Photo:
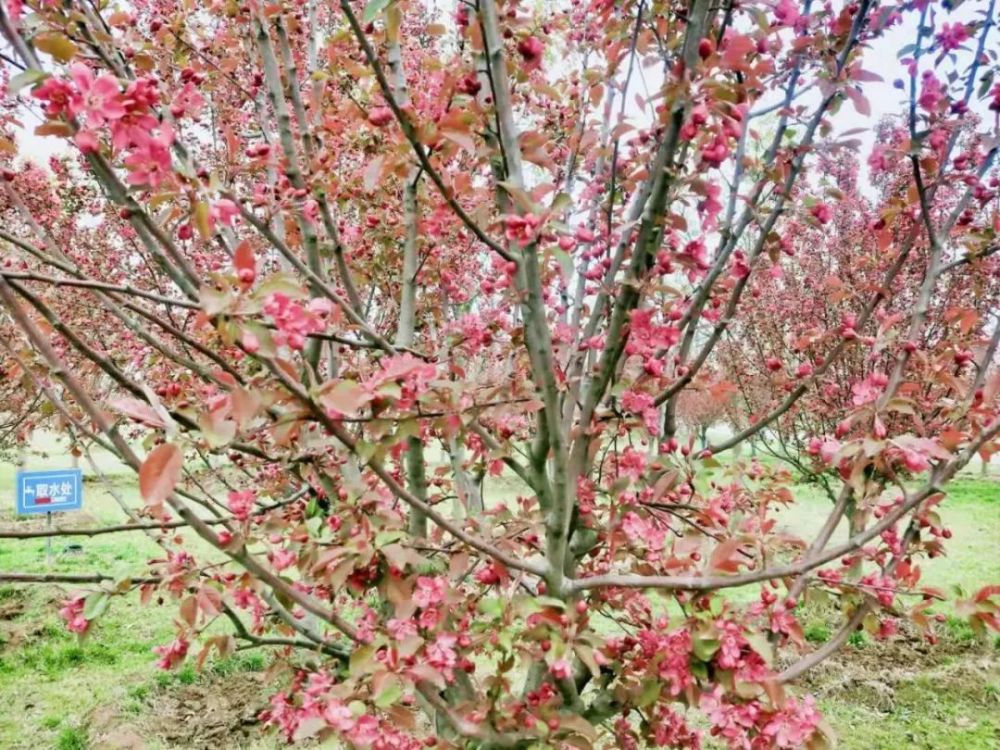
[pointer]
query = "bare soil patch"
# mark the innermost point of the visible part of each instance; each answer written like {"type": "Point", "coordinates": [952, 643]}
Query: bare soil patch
{"type": "Point", "coordinates": [218, 713]}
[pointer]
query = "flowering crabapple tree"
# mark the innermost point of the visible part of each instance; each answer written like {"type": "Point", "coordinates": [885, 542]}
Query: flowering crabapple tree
{"type": "Point", "coordinates": [699, 409]}
{"type": "Point", "coordinates": [330, 275]}
{"type": "Point", "coordinates": [772, 346]}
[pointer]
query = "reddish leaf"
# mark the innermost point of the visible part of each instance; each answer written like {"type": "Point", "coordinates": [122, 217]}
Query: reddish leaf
{"type": "Point", "coordinates": [246, 404]}
{"type": "Point", "coordinates": [189, 610]}
{"type": "Point", "coordinates": [859, 101]}
{"type": "Point", "coordinates": [726, 557]}
{"type": "Point", "coordinates": [737, 52]}
{"type": "Point", "coordinates": [344, 396]}
{"type": "Point", "coordinates": [986, 592]}
{"type": "Point", "coordinates": [209, 601]}
{"type": "Point", "coordinates": [138, 410]}
{"type": "Point", "coordinates": [243, 258]}
{"type": "Point", "coordinates": [160, 473]}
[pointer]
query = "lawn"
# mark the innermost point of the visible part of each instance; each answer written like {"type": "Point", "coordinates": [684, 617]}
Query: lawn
{"type": "Point", "coordinates": [104, 692]}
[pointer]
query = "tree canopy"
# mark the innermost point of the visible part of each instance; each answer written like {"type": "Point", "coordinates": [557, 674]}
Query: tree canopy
{"type": "Point", "coordinates": [408, 316]}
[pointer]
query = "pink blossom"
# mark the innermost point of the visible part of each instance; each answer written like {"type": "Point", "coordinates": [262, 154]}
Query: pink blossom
{"type": "Point", "coordinates": [670, 730]}
{"type": "Point", "coordinates": [87, 141]}
{"type": "Point", "coordinates": [794, 724]}
{"type": "Point", "coordinates": [430, 591]}
{"type": "Point", "coordinates": [931, 93]}
{"type": "Point", "coordinates": [339, 716]}
{"type": "Point", "coordinates": [15, 9]}
{"type": "Point", "coordinates": [828, 450]}
{"type": "Point", "coordinates": [294, 322]}
{"type": "Point", "coordinates": [241, 503]}
{"type": "Point", "coordinates": [531, 50]}
{"type": "Point", "coordinates": [56, 93]}
{"type": "Point", "coordinates": [647, 337]}
{"type": "Point", "coordinates": [887, 628]}
{"type": "Point", "coordinates": [187, 101]}
{"type": "Point", "coordinates": [716, 151]}
{"type": "Point", "coordinates": [673, 651]}
{"type": "Point", "coordinates": [283, 558]}
{"type": "Point", "coordinates": [72, 613]}
{"type": "Point", "coordinates": [136, 125]}
{"type": "Point", "coordinates": [412, 375]}
{"type": "Point", "coordinates": [224, 211]}
{"type": "Point", "coordinates": [521, 229]}
{"type": "Point", "coordinates": [99, 98]}
{"type": "Point", "coordinates": [915, 461]}
{"type": "Point", "coordinates": [631, 463]}
{"type": "Point", "coordinates": [429, 618]}
{"type": "Point", "coordinates": [952, 36]}
{"type": "Point", "coordinates": [822, 213]}
{"type": "Point", "coordinates": [560, 669]}
{"type": "Point", "coordinates": [732, 722]}
{"type": "Point", "coordinates": [172, 654]}
{"type": "Point", "coordinates": [643, 532]}
{"type": "Point", "coordinates": [380, 116]}
{"type": "Point", "coordinates": [250, 342]}
{"type": "Point", "coordinates": [878, 160]}
{"type": "Point", "coordinates": [869, 389]}
{"type": "Point", "coordinates": [401, 629]}
{"type": "Point", "coordinates": [636, 402]}
{"type": "Point", "coordinates": [882, 587]}
{"type": "Point", "coordinates": [441, 654]}
{"type": "Point", "coordinates": [366, 730]}
{"type": "Point", "coordinates": [786, 12]}
{"type": "Point", "coordinates": [149, 161]}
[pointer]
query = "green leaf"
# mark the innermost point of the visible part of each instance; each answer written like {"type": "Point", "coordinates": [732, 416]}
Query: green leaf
{"type": "Point", "coordinates": [280, 282]}
{"type": "Point", "coordinates": [27, 78]}
{"type": "Point", "coordinates": [312, 508]}
{"type": "Point", "coordinates": [362, 661]}
{"type": "Point", "coordinates": [560, 204]}
{"type": "Point", "coordinates": [520, 197]}
{"type": "Point", "coordinates": [650, 692]}
{"type": "Point", "coordinates": [984, 86]}
{"type": "Point", "coordinates": [389, 694]}
{"type": "Point", "coordinates": [213, 301]}
{"type": "Point", "coordinates": [385, 538]}
{"type": "Point", "coordinates": [374, 8]}
{"type": "Point", "coordinates": [565, 262]}
{"type": "Point", "coordinates": [491, 606]}
{"type": "Point", "coordinates": [96, 605]}
{"type": "Point", "coordinates": [705, 648]}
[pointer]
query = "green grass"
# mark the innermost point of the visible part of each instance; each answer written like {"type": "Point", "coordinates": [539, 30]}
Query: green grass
{"type": "Point", "coordinates": [51, 682]}
{"type": "Point", "coordinates": [925, 713]}
{"type": "Point", "coordinates": [71, 739]}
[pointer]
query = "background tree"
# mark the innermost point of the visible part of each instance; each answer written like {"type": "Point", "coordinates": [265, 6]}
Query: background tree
{"type": "Point", "coordinates": [298, 251]}
{"type": "Point", "coordinates": [778, 342]}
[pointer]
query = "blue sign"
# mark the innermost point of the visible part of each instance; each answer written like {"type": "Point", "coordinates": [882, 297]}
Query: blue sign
{"type": "Point", "coordinates": [49, 491]}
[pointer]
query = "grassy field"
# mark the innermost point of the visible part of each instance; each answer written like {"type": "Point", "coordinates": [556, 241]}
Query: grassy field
{"type": "Point", "coordinates": [104, 692]}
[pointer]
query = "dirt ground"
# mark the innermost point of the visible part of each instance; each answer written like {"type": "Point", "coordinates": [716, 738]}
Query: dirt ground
{"type": "Point", "coordinates": [220, 713]}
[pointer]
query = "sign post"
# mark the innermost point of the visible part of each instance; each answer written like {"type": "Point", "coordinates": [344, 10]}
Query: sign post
{"type": "Point", "coordinates": [49, 492]}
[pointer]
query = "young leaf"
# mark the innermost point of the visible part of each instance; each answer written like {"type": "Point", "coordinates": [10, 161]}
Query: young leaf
{"type": "Point", "coordinates": [243, 258]}
{"type": "Point", "coordinates": [160, 473]}
{"type": "Point", "coordinates": [373, 8]}
{"type": "Point", "coordinates": [56, 45]}
{"type": "Point", "coordinates": [96, 605]}
{"type": "Point", "coordinates": [27, 78]}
